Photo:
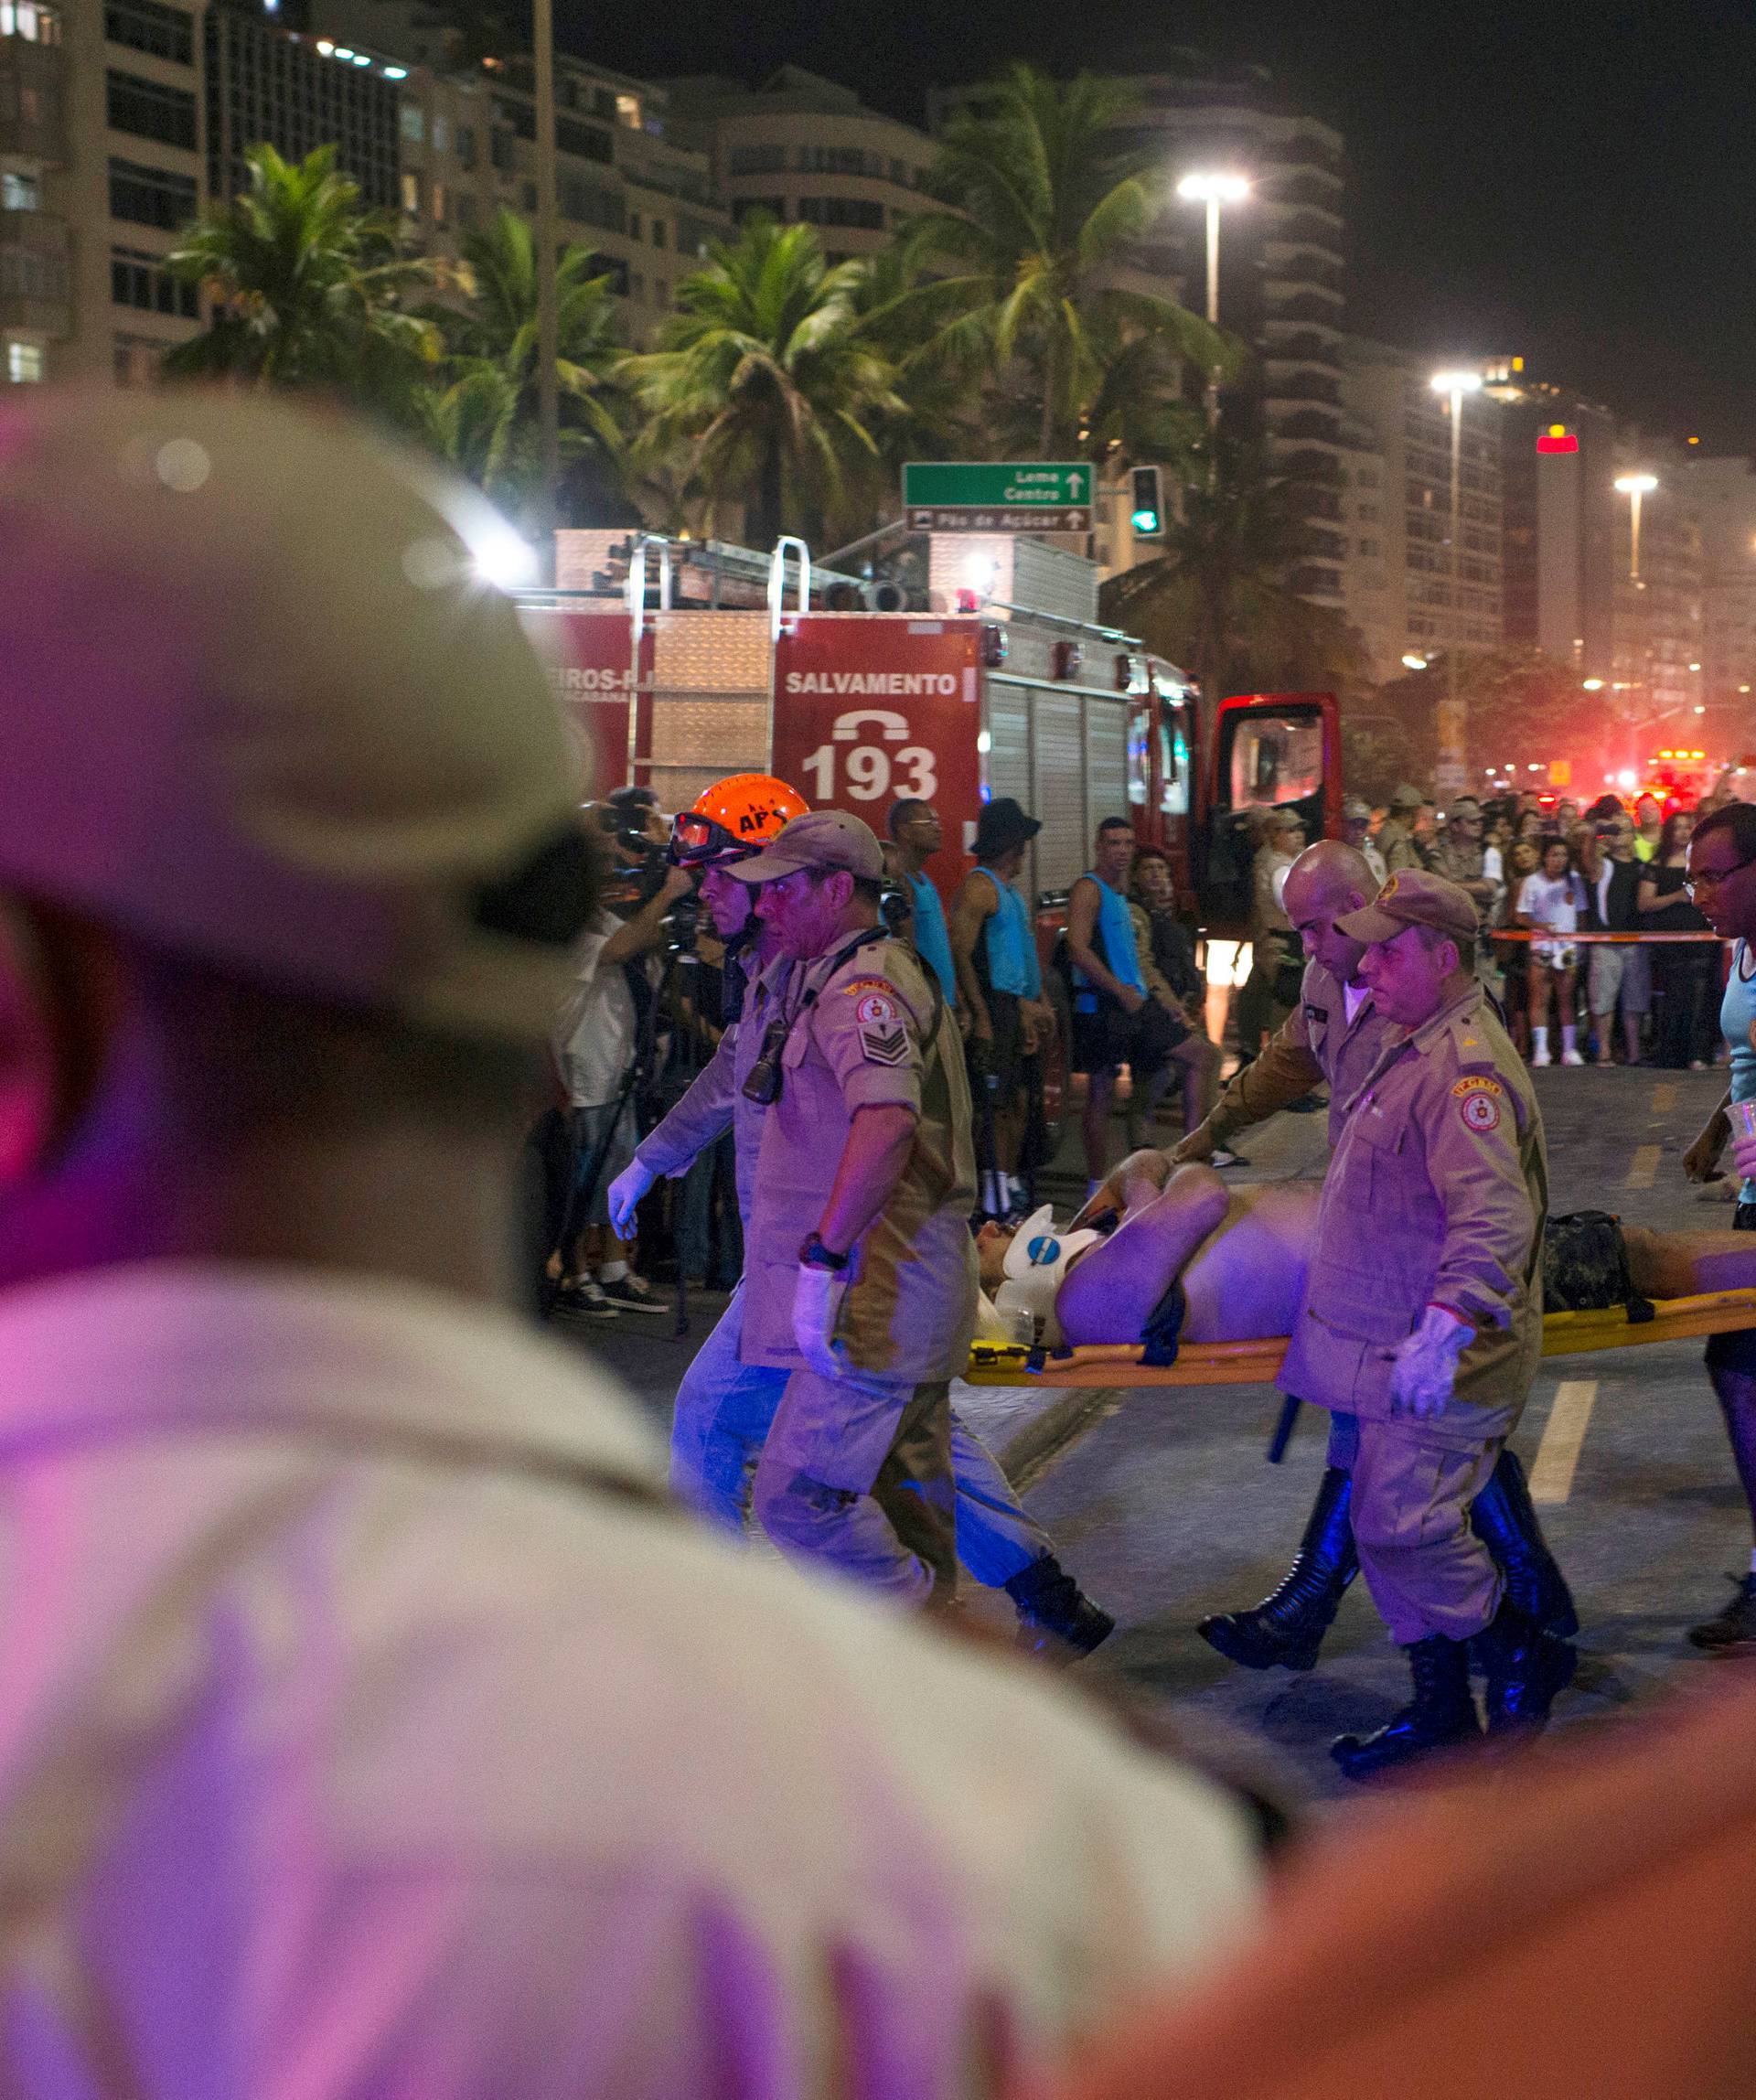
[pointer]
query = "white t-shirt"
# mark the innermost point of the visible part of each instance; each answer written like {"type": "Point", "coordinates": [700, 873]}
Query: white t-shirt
{"type": "Point", "coordinates": [368, 1726]}
{"type": "Point", "coordinates": [595, 1039]}
{"type": "Point", "coordinates": [1552, 901]}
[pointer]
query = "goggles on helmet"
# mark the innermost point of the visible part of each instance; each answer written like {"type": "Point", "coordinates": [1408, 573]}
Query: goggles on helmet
{"type": "Point", "coordinates": [697, 841]}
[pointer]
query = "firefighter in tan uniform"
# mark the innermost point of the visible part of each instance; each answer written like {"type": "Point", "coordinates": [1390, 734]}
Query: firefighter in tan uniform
{"type": "Point", "coordinates": [1336, 1035]}
{"type": "Point", "coordinates": [859, 1273]}
{"type": "Point", "coordinates": [1423, 1318]}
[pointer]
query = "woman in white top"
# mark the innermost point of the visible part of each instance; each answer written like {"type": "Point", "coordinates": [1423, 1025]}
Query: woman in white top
{"type": "Point", "coordinates": [1549, 903]}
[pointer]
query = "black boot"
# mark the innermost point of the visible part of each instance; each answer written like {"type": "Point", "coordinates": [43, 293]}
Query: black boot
{"type": "Point", "coordinates": [1734, 1629]}
{"type": "Point", "coordinates": [1525, 1668]}
{"type": "Point", "coordinates": [1287, 1626]}
{"type": "Point", "coordinates": [1505, 1519]}
{"type": "Point", "coordinates": [1054, 1612]}
{"type": "Point", "coordinates": [1440, 1715]}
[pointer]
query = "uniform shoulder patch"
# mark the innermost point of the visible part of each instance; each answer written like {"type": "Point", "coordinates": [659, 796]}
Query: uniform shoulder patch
{"type": "Point", "coordinates": [883, 1045]}
{"type": "Point", "coordinates": [876, 1003]}
{"type": "Point", "coordinates": [1480, 1102]}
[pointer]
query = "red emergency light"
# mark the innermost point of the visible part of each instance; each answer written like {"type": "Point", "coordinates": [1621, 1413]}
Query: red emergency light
{"type": "Point", "coordinates": [1558, 442]}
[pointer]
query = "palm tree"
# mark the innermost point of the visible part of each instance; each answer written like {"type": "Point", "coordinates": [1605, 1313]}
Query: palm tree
{"type": "Point", "coordinates": [307, 288]}
{"type": "Point", "coordinates": [488, 421]}
{"type": "Point", "coordinates": [1040, 200]}
{"type": "Point", "coordinates": [1220, 600]}
{"type": "Point", "coordinates": [769, 377]}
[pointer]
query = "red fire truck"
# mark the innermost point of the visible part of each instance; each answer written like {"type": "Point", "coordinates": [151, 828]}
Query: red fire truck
{"type": "Point", "coordinates": [1077, 721]}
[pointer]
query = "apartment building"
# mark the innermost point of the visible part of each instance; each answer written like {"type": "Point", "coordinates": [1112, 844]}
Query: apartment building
{"type": "Point", "coordinates": [262, 84]}
{"type": "Point", "coordinates": [1723, 494]}
{"type": "Point", "coordinates": [35, 246]}
{"type": "Point", "coordinates": [806, 150]}
{"type": "Point", "coordinates": [639, 199]}
{"type": "Point", "coordinates": [1282, 262]}
{"type": "Point", "coordinates": [1397, 584]}
{"type": "Point", "coordinates": [127, 176]}
{"type": "Point", "coordinates": [1659, 631]}
{"type": "Point", "coordinates": [1372, 520]}
{"type": "Point", "coordinates": [1559, 546]}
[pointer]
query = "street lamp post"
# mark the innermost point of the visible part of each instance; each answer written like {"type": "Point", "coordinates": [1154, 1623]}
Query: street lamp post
{"type": "Point", "coordinates": [548, 304]}
{"type": "Point", "coordinates": [1212, 190]}
{"type": "Point", "coordinates": [1451, 776]}
{"type": "Point", "coordinates": [1634, 486]}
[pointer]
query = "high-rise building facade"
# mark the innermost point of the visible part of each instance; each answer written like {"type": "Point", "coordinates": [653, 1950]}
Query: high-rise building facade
{"type": "Point", "coordinates": [1374, 573]}
{"type": "Point", "coordinates": [1282, 271]}
{"type": "Point", "coordinates": [130, 181]}
{"type": "Point", "coordinates": [1723, 495]}
{"type": "Point", "coordinates": [1405, 589]}
{"type": "Point", "coordinates": [640, 199]}
{"type": "Point", "coordinates": [263, 85]}
{"type": "Point", "coordinates": [1659, 664]}
{"type": "Point", "coordinates": [1561, 532]}
{"type": "Point", "coordinates": [807, 151]}
{"type": "Point", "coordinates": [36, 260]}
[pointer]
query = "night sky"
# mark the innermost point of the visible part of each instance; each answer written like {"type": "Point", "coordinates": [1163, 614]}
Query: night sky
{"type": "Point", "coordinates": [1572, 182]}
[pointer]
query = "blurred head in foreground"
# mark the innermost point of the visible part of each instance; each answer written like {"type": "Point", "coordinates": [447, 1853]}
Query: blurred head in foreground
{"type": "Point", "coordinates": [289, 860]}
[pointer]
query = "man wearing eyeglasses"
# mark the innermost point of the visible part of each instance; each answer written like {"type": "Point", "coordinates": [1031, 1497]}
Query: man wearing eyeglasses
{"type": "Point", "coordinates": [1722, 882]}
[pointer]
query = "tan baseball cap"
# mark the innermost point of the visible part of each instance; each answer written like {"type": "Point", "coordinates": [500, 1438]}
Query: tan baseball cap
{"type": "Point", "coordinates": [821, 839]}
{"type": "Point", "coordinates": [1412, 898]}
{"type": "Point", "coordinates": [260, 708]}
{"type": "Point", "coordinates": [1407, 796]}
{"type": "Point", "coordinates": [1354, 810]}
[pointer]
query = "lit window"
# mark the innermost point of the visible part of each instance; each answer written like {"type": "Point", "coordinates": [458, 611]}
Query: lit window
{"type": "Point", "coordinates": [29, 19]}
{"type": "Point", "coordinates": [414, 124]}
{"type": "Point", "coordinates": [19, 192]}
{"type": "Point", "coordinates": [411, 194]}
{"type": "Point", "coordinates": [24, 363]}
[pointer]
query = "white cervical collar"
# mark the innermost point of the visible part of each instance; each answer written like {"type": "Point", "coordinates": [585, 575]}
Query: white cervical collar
{"type": "Point", "coordinates": [1036, 1263]}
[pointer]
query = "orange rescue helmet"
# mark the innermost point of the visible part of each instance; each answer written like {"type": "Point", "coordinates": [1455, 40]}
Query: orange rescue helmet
{"type": "Point", "coordinates": [731, 818]}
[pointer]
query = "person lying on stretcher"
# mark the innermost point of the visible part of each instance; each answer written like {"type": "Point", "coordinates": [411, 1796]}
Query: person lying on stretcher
{"type": "Point", "coordinates": [1209, 1261]}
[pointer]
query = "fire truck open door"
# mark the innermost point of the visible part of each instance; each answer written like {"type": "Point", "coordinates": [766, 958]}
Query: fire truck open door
{"type": "Point", "coordinates": [1270, 751]}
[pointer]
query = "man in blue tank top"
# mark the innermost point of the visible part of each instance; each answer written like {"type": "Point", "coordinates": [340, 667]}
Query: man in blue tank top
{"type": "Point", "coordinates": [1722, 886]}
{"type": "Point", "coordinates": [915, 835]}
{"type": "Point", "coordinates": [1114, 1021]}
{"type": "Point", "coordinates": [1000, 981]}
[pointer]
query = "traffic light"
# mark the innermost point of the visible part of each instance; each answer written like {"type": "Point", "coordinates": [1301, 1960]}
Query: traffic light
{"type": "Point", "coordinates": [1149, 502]}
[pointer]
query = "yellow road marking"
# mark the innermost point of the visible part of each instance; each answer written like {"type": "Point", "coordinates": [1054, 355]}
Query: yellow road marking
{"type": "Point", "coordinates": [1551, 1478]}
{"type": "Point", "coordinates": [1664, 1097]}
{"type": "Point", "coordinates": [1642, 1167]}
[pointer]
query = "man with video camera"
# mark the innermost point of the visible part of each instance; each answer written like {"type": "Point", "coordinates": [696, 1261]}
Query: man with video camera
{"type": "Point", "coordinates": [603, 1038]}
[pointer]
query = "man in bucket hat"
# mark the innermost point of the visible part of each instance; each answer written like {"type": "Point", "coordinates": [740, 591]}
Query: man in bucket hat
{"type": "Point", "coordinates": [999, 978]}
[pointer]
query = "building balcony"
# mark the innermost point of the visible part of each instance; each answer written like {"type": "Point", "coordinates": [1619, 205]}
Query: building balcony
{"type": "Point", "coordinates": [1307, 423]}
{"type": "Point", "coordinates": [1304, 384]}
{"type": "Point", "coordinates": [1304, 347]}
{"type": "Point", "coordinates": [32, 122]}
{"type": "Point", "coordinates": [35, 275]}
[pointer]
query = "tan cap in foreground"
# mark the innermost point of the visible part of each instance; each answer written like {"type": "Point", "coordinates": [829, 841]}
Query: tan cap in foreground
{"type": "Point", "coordinates": [1412, 898]}
{"type": "Point", "coordinates": [258, 708]}
{"type": "Point", "coordinates": [826, 839]}
{"type": "Point", "coordinates": [1406, 796]}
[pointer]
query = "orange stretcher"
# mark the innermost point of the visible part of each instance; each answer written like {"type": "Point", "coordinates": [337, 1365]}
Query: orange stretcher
{"type": "Point", "coordinates": [1259, 1363]}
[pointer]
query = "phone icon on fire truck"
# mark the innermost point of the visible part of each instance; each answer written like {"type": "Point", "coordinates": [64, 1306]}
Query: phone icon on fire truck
{"type": "Point", "coordinates": [892, 727]}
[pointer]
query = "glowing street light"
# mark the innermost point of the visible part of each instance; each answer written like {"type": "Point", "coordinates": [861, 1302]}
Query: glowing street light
{"type": "Point", "coordinates": [1593, 685]}
{"type": "Point", "coordinates": [1454, 384]}
{"type": "Point", "coordinates": [1634, 486]}
{"type": "Point", "coordinates": [1213, 190]}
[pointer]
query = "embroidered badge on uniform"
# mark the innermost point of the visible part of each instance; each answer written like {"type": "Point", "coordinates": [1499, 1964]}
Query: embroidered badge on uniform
{"type": "Point", "coordinates": [877, 1009]}
{"type": "Point", "coordinates": [884, 1045]}
{"type": "Point", "coordinates": [856, 985]}
{"type": "Point", "coordinates": [1479, 1099]}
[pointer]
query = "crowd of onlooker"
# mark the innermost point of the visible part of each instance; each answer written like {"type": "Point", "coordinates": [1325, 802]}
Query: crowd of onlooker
{"type": "Point", "coordinates": [1544, 872]}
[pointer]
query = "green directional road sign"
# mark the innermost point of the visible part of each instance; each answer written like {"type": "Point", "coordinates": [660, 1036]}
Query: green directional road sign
{"type": "Point", "coordinates": [981, 495]}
